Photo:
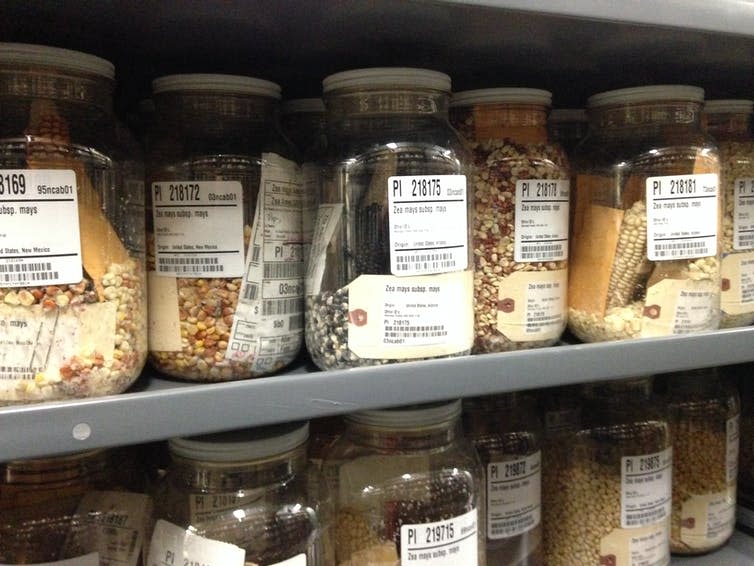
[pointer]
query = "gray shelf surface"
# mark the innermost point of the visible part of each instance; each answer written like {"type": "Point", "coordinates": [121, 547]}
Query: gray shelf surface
{"type": "Point", "coordinates": [738, 552]}
{"type": "Point", "coordinates": [158, 408]}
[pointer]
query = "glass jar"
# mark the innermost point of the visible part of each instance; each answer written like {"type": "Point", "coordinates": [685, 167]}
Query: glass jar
{"type": "Point", "coordinates": [614, 477]}
{"type": "Point", "coordinates": [248, 489]}
{"type": "Point", "coordinates": [703, 413]}
{"type": "Point", "coordinates": [728, 121]}
{"type": "Point", "coordinates": [568, 126]}
{"type": "Point", "coordinates": [66, 507]}
{"type": "Point", "coordinates": [520, 225]}
{"type": "Point", "coordinates": [391, 274]}
{"type": "Point", "coordinates": [407, 488]}
{"type": "Point", "coordinates": [645, 246]}
{"type": "Point", "coordinates": [72, 288]}
{"type": "Point", "coordinates": [507, 434]}
{"type": "Point", "coordinates": [223, 231]}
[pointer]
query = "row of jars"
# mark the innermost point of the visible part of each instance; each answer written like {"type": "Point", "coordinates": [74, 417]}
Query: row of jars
{"type": "Point", "coordinates": [609, 474]}
{"type": "Point", "coordinates": [422, 245]}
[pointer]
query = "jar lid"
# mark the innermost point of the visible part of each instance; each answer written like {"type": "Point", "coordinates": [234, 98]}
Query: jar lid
{"type": "Point", "coordinates": [726, 106]}
{"type": "Point", "coordinates": [303, 106]}
{"type": "Point", "coordinates": [646, 94]}
{"type": "Point", "coordinates": [414, 416]}
{"type": "Point", "coordinates": [502, 95]}
{"type": "Point", "coordinates": [387, 77]}
{"type": "Point", "coordinates": [568, 115]}
{"type": "Point", "coordinates": [241, 445]}
{"type": "Point", "coordinates": [229, 84]}
{"type": "Point", "coordinates": [63, 59]}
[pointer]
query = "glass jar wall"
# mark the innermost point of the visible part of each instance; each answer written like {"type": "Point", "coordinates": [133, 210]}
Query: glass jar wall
{"type": "Point", "coordinates": [729, 121]}
{"type": "Point", "coordinates": [390, 275]}
{"type": "Point", "coordinates": [645, 245]}
{"type": "Point", "coordinates": [72, 292]}
{"type": "Point", "coordinates": [224, 231]}
{"type": "Point", "coordinates": [568, 126]}
{"type": "Point", "coordinates": [520, 226]}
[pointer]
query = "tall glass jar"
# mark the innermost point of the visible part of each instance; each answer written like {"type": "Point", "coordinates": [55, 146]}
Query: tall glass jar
{"type": "Point", "coordinates": [703, 412]}
{"type": "Point", "coordinates": [729, 121]}
{"type": "Point", "coordinates": [72, 287]}
{"type": "Point", "coordinates": [407, 488]}
{"type": "Point", "coordinates": [614, 475]}
{"type": "Point", "coordinates": [568, 126]}
{"type": "Point", "coordinates": [65, 507]}
{"type": "Point", "coordinates": [507, 434]}
{"type": "Point", "coordinates": [391, 274]}
{"type": "Point", "coordinates": [520, 227]}
{"type": "Point", "coordinates": [240, 494]}
{"type": "Point", "coordinates": [224, 231]}
{"type": "Point", "coordinates": [645, 234]}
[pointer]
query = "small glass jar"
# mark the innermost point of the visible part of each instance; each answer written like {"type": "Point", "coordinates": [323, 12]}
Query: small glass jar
{"type": "Point", "coordinates": [407, 488]}
{"type": "Point", "coordinates": [568, 126]}
{"type": "Point", "coordinates": [391, 270]}
{"type": "Point", "coordinates": [66, 506]}
{"type": "Point", "coordinates": [729, 121]}
{"type": "Point", "coordinates": [703, 413]}
{"type": "Point", "coordinates": [223, 231]}
{"type": "Point", "coordinates": [645, 236]}
{"type": "Point", "coordinates": [72, 286]}
{"type": "Point", "coordinates": [520, 226]}
{"type": "Point", "coordinates": [507, 434]}
{"type": "Point", "coordinates": [614, 475]}
{"type": "Point", "coordinates": [247, 488]}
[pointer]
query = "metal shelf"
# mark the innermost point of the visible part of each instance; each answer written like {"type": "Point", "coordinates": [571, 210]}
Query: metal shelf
{"type": "Point", "coordinates": [738, 552]}
{"type": "Point", "coordinates": [157, 408]}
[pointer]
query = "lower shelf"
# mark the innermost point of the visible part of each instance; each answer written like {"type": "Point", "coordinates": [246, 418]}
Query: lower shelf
{"type": "Point", "coordinates": [738, 552]}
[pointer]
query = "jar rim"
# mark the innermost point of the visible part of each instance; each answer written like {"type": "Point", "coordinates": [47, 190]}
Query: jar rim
{"type": "Point", "coordinates": [241, 445]}
{"type": "Point", "coordinates": [729, 105]}
{"type": "Point", "coordinates": [303, 106]}
{"type": "Point", "coordinates": [217, 83]}
{"type": "Point", "coordinates": [654, 93]}
{"type": "Point", "coordinates": [415, 416]}
{"type": "Point", "coordinates": [387, 77]}
{"type": "Point", "coordinates": [502, 95]}
{"type": "Point", "coordinates": [568, 115]}
{"type": "Point", "coordinates": [55, 57]}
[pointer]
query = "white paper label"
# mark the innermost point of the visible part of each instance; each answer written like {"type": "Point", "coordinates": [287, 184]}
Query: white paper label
{"type": "Point", "coordinates": [299, 560]}
{"type": "Point", "coordinates": [732, 436]}
{"type": "Point", "coordinates": [443, 543]}
{"type": "Point", "coordinates": [32, 254]}
{"type": "Point", "coordinates": [328, 219]}
{"type": "Point", "coordinates": [541, 220]}
{"type": "Point", "coordinates": [428, 224]}
{"type": "Point", "coordinates": [514, 489]}
{"type": "Point", "coordinates": [113, 523]}
{"type": "Point", "coordinates": [205, 507]}
{"type": "Point", "coordinates": [174, 546]}
{"type": "Point", "coordinates": [695, 310]}
{"type": "Point", "coordinates": [269, 320]}
{"type": "Point", "coordinates": [645, 489]}
{"type": "Point", "coordinates": [743, 214]}
{"type": "Point", "coordinates": [651, 549]}
{"type": "Point", "coordinates": [198, 228]}
{"type": "Point", "coordinates": [91, 559]}
{"type": "Point", "coordinates": [682, 216]}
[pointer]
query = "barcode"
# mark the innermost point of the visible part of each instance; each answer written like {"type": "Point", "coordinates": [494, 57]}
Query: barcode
{"type": "Point", "coordinates": [415, 331]}
{"type": "Point", "coordinates": [251, 291]}
{"type": "Point", "coordinates": [746, 239]}
{"type": "Point", "coordinates": [18, 372]}
{"type": "Point", "coordinates": [188, 260]}
{"type": "Point", "coordinates": [681, 248]}
{"type": "Point", "coordinates": [645, 518]}
{"type": "Point", "coordinates": [283, 270]}
{"type": "Point", "coordinates": [544, 251]}
{"type": "Point", "coordinates": [25, 267]}
{"type": "Point", "coordinates": [424, 261]}
{"type": "Point", "coordinates": [22, 272]}
{"type": "Point", "coordinates": [296, 322]}
{"type": "Point", "coordinates": [191, 269]}
{"type": "Point", "coordinates": [276, 307]}
{"type": "Point", "coordinates": [513, 527]}
{"type": "Point", "coordinates": [256, 251]}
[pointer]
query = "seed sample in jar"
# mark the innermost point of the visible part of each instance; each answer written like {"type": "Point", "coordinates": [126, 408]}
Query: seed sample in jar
{"type": "Point", "coordinates": [223, 230]}
{"type": "Point", "coordinates": [240, 497]}
{"type": "Point", "coordinates": [407, 489]}
{"type": "Point", "coordinates": [703, 413]}
{"type": "Point", "coordinates": [645, 245]}
{"type": "Point", "coordinates": [506, 432]}
{"type": "Point", "coordinates": [390, 276]}
{"type": "Point", "coordinates": [613, 478]}
{"type": "Point", "coordinates": [72, 287]}
{"type": "Point", "coordinates": [520, 223]}
{"type": "Point", "coordinates": [728, 121]}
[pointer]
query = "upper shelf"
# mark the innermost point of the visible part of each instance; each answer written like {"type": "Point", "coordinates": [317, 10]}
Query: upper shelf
{"type": "Point", "coordinates": [158, 409]}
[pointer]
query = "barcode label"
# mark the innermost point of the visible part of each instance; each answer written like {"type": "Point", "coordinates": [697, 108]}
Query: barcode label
{"type": "Point", "coordinates": [645, 488]}
{"type": "Point", "coordinates": [188, 261]}
{"type": "Point", "coordinates": [18, 372]}
{"type": "Point", "coordinates": [256, 252]}
{"type": "Point", "coordinates": [251, 291]}
{"type": "Point", "coordinates": [541, 220]}
{"type": "Point", "coordinates": [680, 249]}
{"type": "Point", "coordinates": [431, 331]}
{"type": "Point", "coordinates": [283, 270]}
{"type": "Point", "coordinates": [275, 307]}
{"type": "Point", "coordinates": [27, 272]}
{"type": "Point", "coordinates": [425, 262]}
{"type": "Point", "coordinates": [196, 266]}
{"type": "Point", "coordinates": [541, 252]}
